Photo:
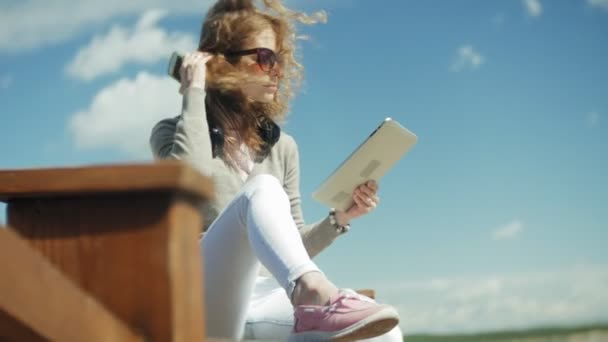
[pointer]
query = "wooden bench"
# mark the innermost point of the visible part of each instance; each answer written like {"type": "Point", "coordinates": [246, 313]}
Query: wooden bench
{"type": "Point", "coordinates": [110, 252]}
{"type": "Point", "coordinates": [103, 253]}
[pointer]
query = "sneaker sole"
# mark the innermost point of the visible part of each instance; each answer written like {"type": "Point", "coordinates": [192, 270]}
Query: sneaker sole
{"type": "Point", "coordinates": [375, 325]}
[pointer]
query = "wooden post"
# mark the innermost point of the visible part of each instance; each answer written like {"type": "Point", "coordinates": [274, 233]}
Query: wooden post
{"type": "Point", "coordinates": [127, 235]}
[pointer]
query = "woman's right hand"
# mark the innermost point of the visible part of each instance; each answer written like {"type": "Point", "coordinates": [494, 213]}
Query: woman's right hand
{"type": "Point", "coordinates": [193, 71]}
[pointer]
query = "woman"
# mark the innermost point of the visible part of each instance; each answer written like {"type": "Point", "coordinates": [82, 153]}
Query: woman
{"type": "Point", "coordinates": [234, 88]}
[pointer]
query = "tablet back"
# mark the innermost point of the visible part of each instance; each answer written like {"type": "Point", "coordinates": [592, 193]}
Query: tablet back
{"type": "Point", "coordinates": [371, 160]}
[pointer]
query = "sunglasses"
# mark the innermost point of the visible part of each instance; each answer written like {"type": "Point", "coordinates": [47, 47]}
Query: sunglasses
{"type": "Point", "coordinates": [265, 58]}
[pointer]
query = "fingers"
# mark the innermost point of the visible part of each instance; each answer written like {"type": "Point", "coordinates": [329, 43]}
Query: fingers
{"type": "Point", "coordinates": [196, 58]}
{"type": "Point", "coordinates": [370, 188]}
{"type": "Point", "coordinates": [366, 193]}
{"type": "Point", "coordinates": [372, 184]}
{"type": "Point", "coordinates": [205, 56]}
{"type": "Point", "coordinates": [193, 69]}
{"type": "Point", "coordinates": [366, 202]}
{"type": "Point", "coordinates": [188, 64]}
{"type": "Point", "coordinates": [361, 205]}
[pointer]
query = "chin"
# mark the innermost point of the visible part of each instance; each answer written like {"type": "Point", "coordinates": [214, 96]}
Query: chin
{"type": "Point", "coordinates": [266, 98]}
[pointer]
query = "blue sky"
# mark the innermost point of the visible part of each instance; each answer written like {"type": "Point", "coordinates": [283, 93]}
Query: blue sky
{"type": "Point", "coordinates": [496, 219]}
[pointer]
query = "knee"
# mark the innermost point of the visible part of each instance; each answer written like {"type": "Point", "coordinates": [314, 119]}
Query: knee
{"type": "Point", "coordinates": [265, 190]}
{"type": "Point", "coordinates": [264, 182]}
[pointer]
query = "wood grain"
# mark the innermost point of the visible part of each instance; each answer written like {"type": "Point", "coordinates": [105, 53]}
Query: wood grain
{"type": "Point", "coordinates": [127, 235]}
{"type": "Point", "coordinates": [161, 176]}
{"type": "Point", "coordinates": [38, 303]}
{"type": "Point", "coordinates": [133, 252]}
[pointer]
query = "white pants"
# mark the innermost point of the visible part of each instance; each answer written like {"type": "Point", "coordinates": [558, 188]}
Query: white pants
{"type": "Point", "coordinates": [256, 227]}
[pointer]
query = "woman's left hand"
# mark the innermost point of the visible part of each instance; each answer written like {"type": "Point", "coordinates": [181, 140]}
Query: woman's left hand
{"type": "Point", "coordinates": [366, 200]}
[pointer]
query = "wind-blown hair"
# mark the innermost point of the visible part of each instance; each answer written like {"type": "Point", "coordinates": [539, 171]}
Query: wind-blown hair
{"type": "Point", "coordinates": [228, 26]}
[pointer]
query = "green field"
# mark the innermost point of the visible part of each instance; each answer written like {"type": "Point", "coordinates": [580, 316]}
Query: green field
{"type": "Point", "coordinates": [590, 333]}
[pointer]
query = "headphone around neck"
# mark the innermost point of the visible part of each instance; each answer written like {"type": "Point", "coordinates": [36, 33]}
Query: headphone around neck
{"type": "Point", "coordinates": [269, 132]}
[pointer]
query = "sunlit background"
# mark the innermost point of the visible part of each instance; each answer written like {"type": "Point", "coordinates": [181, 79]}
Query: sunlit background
{"type": "Point", "coordinates": [497, 219]}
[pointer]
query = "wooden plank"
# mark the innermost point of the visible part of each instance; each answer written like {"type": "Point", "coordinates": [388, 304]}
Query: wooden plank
{"type": "Point", "coordinates": [38, 303]}
{"type": "Point", "coordinates": [12, 329]}
{"type": "Point", "coordinates": [161, 176]}
{"type": "Point", "coordinates": [371, 293]}
{"type": "Point", "coordinates": [137, 253]}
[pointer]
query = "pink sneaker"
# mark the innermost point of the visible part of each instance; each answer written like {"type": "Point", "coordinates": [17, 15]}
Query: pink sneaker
{"type": "Point", "coordinates": [348, 317]}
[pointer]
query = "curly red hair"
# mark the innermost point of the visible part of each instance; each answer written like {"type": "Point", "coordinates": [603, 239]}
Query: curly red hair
{"type": "Point", "coordinates": [228, 26]}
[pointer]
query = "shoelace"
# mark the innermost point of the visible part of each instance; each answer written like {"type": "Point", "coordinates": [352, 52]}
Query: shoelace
{"type": "Point", "coordinates": [359, 296]}
{"type": "Point", "coordinates": [344, 296]}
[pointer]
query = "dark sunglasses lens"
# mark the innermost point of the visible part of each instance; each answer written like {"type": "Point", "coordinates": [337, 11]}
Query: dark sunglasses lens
{"type": "Point", "coordinates": [266, 59]}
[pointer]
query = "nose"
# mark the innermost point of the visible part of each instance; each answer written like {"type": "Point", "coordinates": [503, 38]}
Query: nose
{"type": "Point", "coordinates": [275, 71]}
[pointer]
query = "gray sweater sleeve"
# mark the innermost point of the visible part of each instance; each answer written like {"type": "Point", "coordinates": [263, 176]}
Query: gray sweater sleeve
{"type": "Point", "coordinates": [186, 137]}
{"type": "Point", "coordinates": [316, 236]}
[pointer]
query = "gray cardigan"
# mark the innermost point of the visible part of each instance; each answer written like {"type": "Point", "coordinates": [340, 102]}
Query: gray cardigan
{"type": "Point", "coordinates": [186, 137]}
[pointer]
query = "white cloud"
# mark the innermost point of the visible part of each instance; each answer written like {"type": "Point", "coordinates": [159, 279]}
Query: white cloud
{"type": "Point", "coordinates": [146, 43]}
{"type": "Point", "coordinates": [508, 231]}
{"type": "Point", "coordinates": [571, 295]}
{"type": "Point", "coordinates": [599, 3]}
{"type": "Point", "coordinates": [533, 7]}
{"type": "Point", "coordinates": [6, 81]}
{"type": "Point", "coordinates": [31, 24]}
{"type": "Point", "coordinates": [122, 115]}
{"type": "Point", "coordinates": [467, 58]}
{"type": "Point", "coordinates": [593, 119]}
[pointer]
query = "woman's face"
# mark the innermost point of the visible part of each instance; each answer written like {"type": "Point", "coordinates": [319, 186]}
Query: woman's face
{"type": "Point", "coordinates": [264, 90]}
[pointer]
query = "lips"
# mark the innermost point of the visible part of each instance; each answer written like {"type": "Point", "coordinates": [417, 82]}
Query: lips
{"type": "Point", "coordinates": [271, 88]}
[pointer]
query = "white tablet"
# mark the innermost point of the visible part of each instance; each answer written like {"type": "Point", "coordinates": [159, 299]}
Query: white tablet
{"type": "Point", "coordinates": [370, 161]}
